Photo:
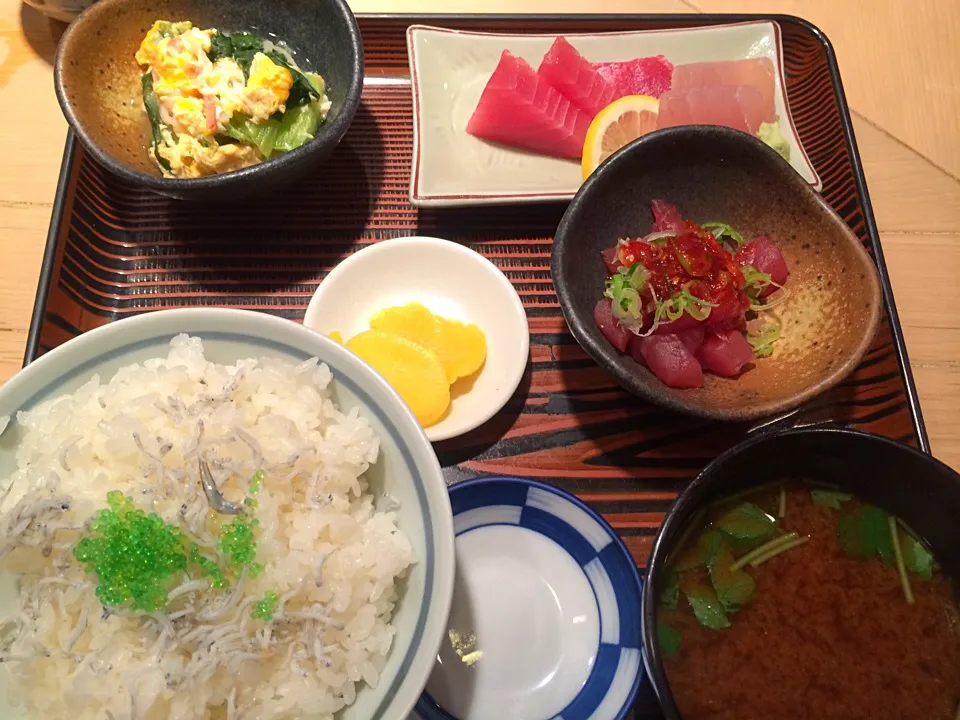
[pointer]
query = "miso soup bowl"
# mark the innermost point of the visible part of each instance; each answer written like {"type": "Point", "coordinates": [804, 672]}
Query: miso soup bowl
{"type": "Point", "coordinates": [910, 484]}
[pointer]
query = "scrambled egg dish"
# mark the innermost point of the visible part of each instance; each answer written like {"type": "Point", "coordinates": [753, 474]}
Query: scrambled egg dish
{"type": "Point", "coordinates": [223, 101]}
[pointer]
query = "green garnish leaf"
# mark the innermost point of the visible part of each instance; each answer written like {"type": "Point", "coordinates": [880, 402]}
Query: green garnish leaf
{"type": "Point", "coordinates": [302, 92]}
{"type": "Point", "coordinates": [746, 521]}
{"type": "Point", "coordinates": [865, 533]}
{"type": "Point", "coordinates": [669, 639]}
{"type": "Point", "coordinates": [671, 591]}
{"type": "Point", "coordinates": [721, 231]}
{"type": "Point", "coordinates": [916, 557]}
{"type": "Point", "coordinates": [240, 46]}
{"type": "Point", "coordinates": [829, 498]}
{"type": "Point", "coordinates": [697, 554]}
{"type": "Point", "coordinates": [704, 602]}
{"type": "Point", "coordinates": [152, 106]}
{"type": "Point", "coordinates": [733, 587]}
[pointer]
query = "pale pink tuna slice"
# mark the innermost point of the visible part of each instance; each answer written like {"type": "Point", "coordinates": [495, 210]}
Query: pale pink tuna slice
{"type": "Point", "coordinates": [725, 352]}
{"type": "Point", "coordinates": [611, 328]}
{"type": "Point", "coordinates": [665, 217]}
{"type": "Point", "coordinates": [757, 73]}
{"type": "Point", "coordinates": [521, 109]}
{"type": "Point", "coordinates": [669, 358]}
{"type": "Point", "coordinates": [764, 255]}
{"type": "Point", "coordinates": [641, 76]}
{"type": "Point", "coordinates": [610, 259]}
{"type": "Point", "coordinates": [575, 78]}
{"type": "Point", "coordinates": [736, 106]}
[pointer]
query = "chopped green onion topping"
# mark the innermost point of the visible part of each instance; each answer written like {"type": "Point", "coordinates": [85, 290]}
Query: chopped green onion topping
{"type": "Point", "coordinates": [684, 301]}
{"type": "Point", "coordinates": [624, 288]}
{"type": "Point", "coordinates": [721, 231]}
{"type": "Point", "coordinates": [762, 342]}
{"type": "Point", "coordinates": [756, 282]}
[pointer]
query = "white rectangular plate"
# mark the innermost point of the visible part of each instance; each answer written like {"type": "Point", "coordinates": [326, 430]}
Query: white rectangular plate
{"type": "Point", "coordinates": [449, 69]}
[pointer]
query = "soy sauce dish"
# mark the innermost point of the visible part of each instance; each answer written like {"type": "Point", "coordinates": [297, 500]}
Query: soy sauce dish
{"type": "Point", "coordinates": [808, 574]}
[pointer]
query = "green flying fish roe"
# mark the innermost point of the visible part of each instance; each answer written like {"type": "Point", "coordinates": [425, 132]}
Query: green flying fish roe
{"type": "Point", "coordinates": [237, 541]}
{"type": "Point", "coordinates": [208, 568]}
{"type": "Point", "coordinates": [135, 556]}
{"type": "Point", "coordinates": [264, 609]}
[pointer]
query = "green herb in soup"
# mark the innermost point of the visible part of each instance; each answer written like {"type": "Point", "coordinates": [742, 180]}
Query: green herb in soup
{"type": "Point", "coordinates": [799, 601]}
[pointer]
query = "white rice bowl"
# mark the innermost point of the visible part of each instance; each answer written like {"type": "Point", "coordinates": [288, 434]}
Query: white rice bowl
{"type": "Point", "coordinates": [329, 545]}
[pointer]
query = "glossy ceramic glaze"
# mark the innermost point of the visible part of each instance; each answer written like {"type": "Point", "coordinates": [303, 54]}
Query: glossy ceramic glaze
{"type": "Point", "coordinates": [98, 83]}
{"type": "Point", "coordinates": [914, 486]}
{"type": "Point", "coordinates": [717, 174]}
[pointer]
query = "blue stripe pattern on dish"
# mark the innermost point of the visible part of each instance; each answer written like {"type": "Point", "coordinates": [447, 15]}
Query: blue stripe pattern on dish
{"type": "Point", "coordinates": [612, 685]}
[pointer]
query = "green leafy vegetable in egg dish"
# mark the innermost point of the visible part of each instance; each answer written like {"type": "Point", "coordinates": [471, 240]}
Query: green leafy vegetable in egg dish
{"type": "Point", "coordinates": [219, 101]}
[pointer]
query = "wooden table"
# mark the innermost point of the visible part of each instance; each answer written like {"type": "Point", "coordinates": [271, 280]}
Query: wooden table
{"type": "Point", "coordinates": [901, 71]}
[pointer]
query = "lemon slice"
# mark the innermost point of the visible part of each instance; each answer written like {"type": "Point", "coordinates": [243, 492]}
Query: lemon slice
{"type": "Point", "coordinates": [618, 124]}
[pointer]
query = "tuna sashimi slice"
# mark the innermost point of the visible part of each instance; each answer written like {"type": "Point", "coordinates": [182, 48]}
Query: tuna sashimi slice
{"type": "Point", "coordinates": [520, 108]}
{"type": "Point", "coordinates": [669, 358]}
{"type": "Point", "coordinates": [725, 352]}
{"type": "Point", "coordinates": [575, 78]}
{"type": "Point", "coordinates": [757, 73]}
{"type": "Point", "coordinates": [665, 217]}
{"type": "Point", "coordinates": [641, 76]}
{"type": "Point", "coordinates": [611, 328]}
{"type": "Point", "coordinates": [611, 260]}
{"type": "Point", "coordinates": [736, 106]}
{"type": "Point", "coordinates": [764, 255]}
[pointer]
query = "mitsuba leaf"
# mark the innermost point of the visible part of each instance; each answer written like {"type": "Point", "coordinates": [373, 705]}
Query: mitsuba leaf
{"type": "Point", "coordinates": [671, 591]}
{"type": "Point", "coordinates": [746, 521]}
{"type": "Point", "coordinates": [704, 602]}
{"type": "Point", "coordinates": [865, 533]}
{"type": "Point", "coordinates": [733, 587]}
{"type": "Point", "coordinates": [829, 498]}
{"type": "Point", "coordinates": [699, 552]}
{"type": "Point", "coordinates": [916, 557]}
{"type": "Point", "coordinates": [669, 639]}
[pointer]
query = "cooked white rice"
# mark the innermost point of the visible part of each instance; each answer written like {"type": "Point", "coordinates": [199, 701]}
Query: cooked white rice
{"type": "Point", "coordinates": [332, 558]}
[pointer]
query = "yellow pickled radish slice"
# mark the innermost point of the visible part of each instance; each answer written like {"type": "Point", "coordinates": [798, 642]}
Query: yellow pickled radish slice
{"type": "Point", "coordinates": [467, 347]}
{"type": "Point", "coordinates": [413, 371]}
{"type": "Point", "coordinates": [416, 323]}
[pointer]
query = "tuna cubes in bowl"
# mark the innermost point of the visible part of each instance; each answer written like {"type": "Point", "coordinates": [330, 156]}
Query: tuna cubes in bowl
{"type": "Point", "coordinates": [703, 273]}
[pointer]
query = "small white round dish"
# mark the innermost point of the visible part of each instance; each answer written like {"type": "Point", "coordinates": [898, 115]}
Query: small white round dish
{"type": "Point", "coordinates": [450, 280]}
{"type": "Point", "coordinates": [545, 621]}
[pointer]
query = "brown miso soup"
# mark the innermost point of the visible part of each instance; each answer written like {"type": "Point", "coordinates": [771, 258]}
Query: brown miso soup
{"type": "Point", "coordinates": [802, 602]}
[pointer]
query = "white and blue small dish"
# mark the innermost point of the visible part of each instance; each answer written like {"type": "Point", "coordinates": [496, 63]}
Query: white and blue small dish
{"type": "Point", "coordinates": [545, 622]}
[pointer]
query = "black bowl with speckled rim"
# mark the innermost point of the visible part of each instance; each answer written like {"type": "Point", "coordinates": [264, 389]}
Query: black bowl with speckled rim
{"type": "Point", "coordinates": [717, 174]}
{"type": "Point", "coordinates": [97, 81]}
{"type": "Point", "coordinates": [912, 485]}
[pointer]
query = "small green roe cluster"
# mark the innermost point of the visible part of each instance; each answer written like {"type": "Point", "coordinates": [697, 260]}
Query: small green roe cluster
{"type": "Point", "coordinates": [264, 609]}
{"type": "Point", "coordinates": [134, 555]}
{"type": "Point", "coordinates": [238, 537]}
{"type": "Point", "coordinates": [137, 558]}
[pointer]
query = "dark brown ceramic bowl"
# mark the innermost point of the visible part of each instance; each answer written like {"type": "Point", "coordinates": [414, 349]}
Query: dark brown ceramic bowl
{"type": "Point", "coordinates": [718, 174]}
{"type": "Point", "coordinates": [910, 484]}
{"type": "Point", "coordinates": [98, 83]}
